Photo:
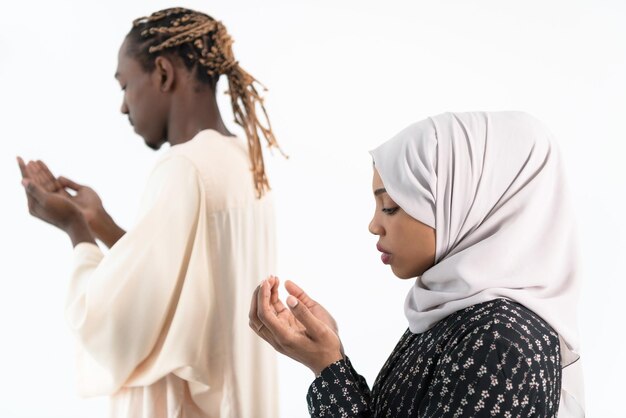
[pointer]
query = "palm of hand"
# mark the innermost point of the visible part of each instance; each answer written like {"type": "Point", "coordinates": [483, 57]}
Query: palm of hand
{"type": "Point", "coordinates": [88, 201]}
{"type": "Point", "coordinates": [85, 198]}
{"type": "Point", "coordinates": [54, 208]}
{"type": "Point", "coordinates": [316, 309]}
{"type": "Point", "coordinates": [48, 201]}
{"type": "Point", "coordinates": [322, 314]}
{"type": "Point", "coordinates": [285, 315]}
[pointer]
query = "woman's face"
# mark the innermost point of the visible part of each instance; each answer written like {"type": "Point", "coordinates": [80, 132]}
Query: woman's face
{"type": "Point", "coordinates": [406, 244]}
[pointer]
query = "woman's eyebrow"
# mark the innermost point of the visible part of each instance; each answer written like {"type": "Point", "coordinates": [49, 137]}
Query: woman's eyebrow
{"type": "Point", "coordinates": [379, 191]}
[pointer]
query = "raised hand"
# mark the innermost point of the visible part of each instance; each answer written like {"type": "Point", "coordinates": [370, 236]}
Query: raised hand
{"type": "Point", "coordinates": [84, 197]}
{"type": "Point", "coordinates": [306, 332]}
{"type": "Point", "coordinates": [39, 173]}
{"type": "Point", "coordinates": [316, 309]}
{"type": "Point", "coordinates": [50, 207]}
{"type": "Point", "coordinates": [51, 204]}
{"type": "Point", "coordinates": [100, 222]}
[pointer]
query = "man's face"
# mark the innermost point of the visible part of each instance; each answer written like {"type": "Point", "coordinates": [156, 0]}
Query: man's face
{"type": "Point", "coordinates": [144, 103]}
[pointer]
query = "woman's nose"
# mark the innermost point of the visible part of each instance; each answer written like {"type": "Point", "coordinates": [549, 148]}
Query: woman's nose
{"type": "Point", "coordinates": [374, 227]}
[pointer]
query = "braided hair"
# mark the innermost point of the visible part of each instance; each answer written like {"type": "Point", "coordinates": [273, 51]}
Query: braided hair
{"type": "Point", "coordinates": [203, 45]}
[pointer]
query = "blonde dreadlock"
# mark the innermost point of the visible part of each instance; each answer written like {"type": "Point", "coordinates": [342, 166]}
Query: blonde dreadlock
{"type": "Point", "coordinates": [201, 40]}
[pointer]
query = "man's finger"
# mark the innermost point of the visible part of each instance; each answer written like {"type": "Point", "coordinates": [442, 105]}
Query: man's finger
{"type": "Point", "coordinates": [34, 173]}
{"type": "Point", "coordinates": [30, 170]}
{"type": "Point", "coordinates": [22, 166]}
{"type": "Point", "coordinates": [34, 191]}
{"type": "Point", "coordinates": [39, 176]}
{"type": "Point", "coordinates": [50, 179]}
{"type": "Point", "coordinates": [65, 182]}
{"type": "Point", "coordinates": [45, 169]}
{"type": "Point", "coordinates": [48, 182]}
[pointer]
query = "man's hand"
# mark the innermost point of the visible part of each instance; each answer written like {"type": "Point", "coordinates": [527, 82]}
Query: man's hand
{"type": "Point", "coordinates": [98, 219]}
{"type": "Point", "coordinates": [83, 197]}
{"type": "Point", "coordinates": [51, 204]}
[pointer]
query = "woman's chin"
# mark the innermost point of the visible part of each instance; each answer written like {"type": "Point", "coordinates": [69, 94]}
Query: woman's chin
{"type": "Point", "coordinates": [400, 273]}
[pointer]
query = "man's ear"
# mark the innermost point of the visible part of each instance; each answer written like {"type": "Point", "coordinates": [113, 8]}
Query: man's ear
{"type": "Point", "coordinates": [165, 71]}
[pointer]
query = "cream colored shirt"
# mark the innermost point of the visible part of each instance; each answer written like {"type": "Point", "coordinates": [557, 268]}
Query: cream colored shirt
{"type": "Point", "coordinates": [162, 319]}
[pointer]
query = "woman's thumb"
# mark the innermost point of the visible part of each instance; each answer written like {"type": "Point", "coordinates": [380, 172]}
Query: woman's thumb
{"type": "Point", "coordinates": [304, 315]}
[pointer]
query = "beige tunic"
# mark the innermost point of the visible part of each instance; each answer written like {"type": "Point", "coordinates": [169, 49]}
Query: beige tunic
{"type": "Point", "coordinates": [162, 318]}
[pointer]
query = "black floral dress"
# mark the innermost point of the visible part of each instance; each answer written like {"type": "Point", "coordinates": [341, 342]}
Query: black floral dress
{"type": "Point", "coordinates": [494, 359]}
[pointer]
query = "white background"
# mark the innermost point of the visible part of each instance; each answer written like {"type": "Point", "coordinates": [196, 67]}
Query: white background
{"type": "Point", "coordinates": [344, 76]}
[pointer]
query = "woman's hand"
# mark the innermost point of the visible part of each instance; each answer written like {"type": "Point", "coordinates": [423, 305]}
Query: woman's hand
{"type": "Point", "coordinates": [306, 332]}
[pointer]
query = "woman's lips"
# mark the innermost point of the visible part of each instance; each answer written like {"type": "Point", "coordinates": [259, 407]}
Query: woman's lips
{"type": "Point", "coordinates": [385, 257]}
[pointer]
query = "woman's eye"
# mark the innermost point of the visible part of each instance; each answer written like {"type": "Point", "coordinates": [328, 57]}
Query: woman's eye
{"type": "Point", "coordinates": [390, 211]}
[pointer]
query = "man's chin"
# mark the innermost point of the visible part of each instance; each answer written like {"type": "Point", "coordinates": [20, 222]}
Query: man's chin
{"type": "Point", "coordinates": [154, 145]}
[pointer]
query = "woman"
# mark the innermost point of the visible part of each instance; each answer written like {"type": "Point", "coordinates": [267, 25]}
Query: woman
{"type": "Point", "coordinates": [474, 206]}
{"type": "Point", "coordinates": [160, 318]}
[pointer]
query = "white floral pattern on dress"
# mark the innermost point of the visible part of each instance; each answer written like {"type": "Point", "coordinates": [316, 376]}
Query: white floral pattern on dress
{"type": "Point", "coordinates": [494, 359]}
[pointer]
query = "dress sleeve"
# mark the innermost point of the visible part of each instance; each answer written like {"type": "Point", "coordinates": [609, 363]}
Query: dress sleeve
{"type": "Point", "coordinates": [118, 304]}
{"type": "Point", "coordinates": [339, 391]}
{"type": "Point", "coordinates": [496, 371]}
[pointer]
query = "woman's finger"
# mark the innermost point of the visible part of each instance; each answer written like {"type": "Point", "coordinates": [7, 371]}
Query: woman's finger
{"type": "Point", "coordinates": [266, 313]}
{"type": "Point", "coordinates": [264, 310]}
{"type": "Point", "coordinates": [275, 302]}
{"type": "Point", "coordinates": [299, 294]}
{"type": "Point", "coordinates": [273, 282]}
{"type": "Point", "coordinates": [314, 327]}
{"type": "Point", "coordinates": [254, 321]}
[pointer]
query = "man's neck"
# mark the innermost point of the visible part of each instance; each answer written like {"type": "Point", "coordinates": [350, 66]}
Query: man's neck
{"type": "Point", "coordinates": [193, 114]}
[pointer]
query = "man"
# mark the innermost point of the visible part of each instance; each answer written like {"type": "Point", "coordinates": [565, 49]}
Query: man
{"type": "Point", "coordinates": [161, 319]}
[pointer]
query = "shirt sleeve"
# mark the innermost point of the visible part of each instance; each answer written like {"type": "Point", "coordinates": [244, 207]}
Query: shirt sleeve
{"type": "Point", "coordinates": [339, 391]}
{"type": "Point", "coordinates": [119, 303]}
{"type": "Point", "coordinates": [495, 372]}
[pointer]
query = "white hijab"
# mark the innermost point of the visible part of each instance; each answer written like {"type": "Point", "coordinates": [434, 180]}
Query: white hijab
{"type": "Point", "coordinates": [492, 186]}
